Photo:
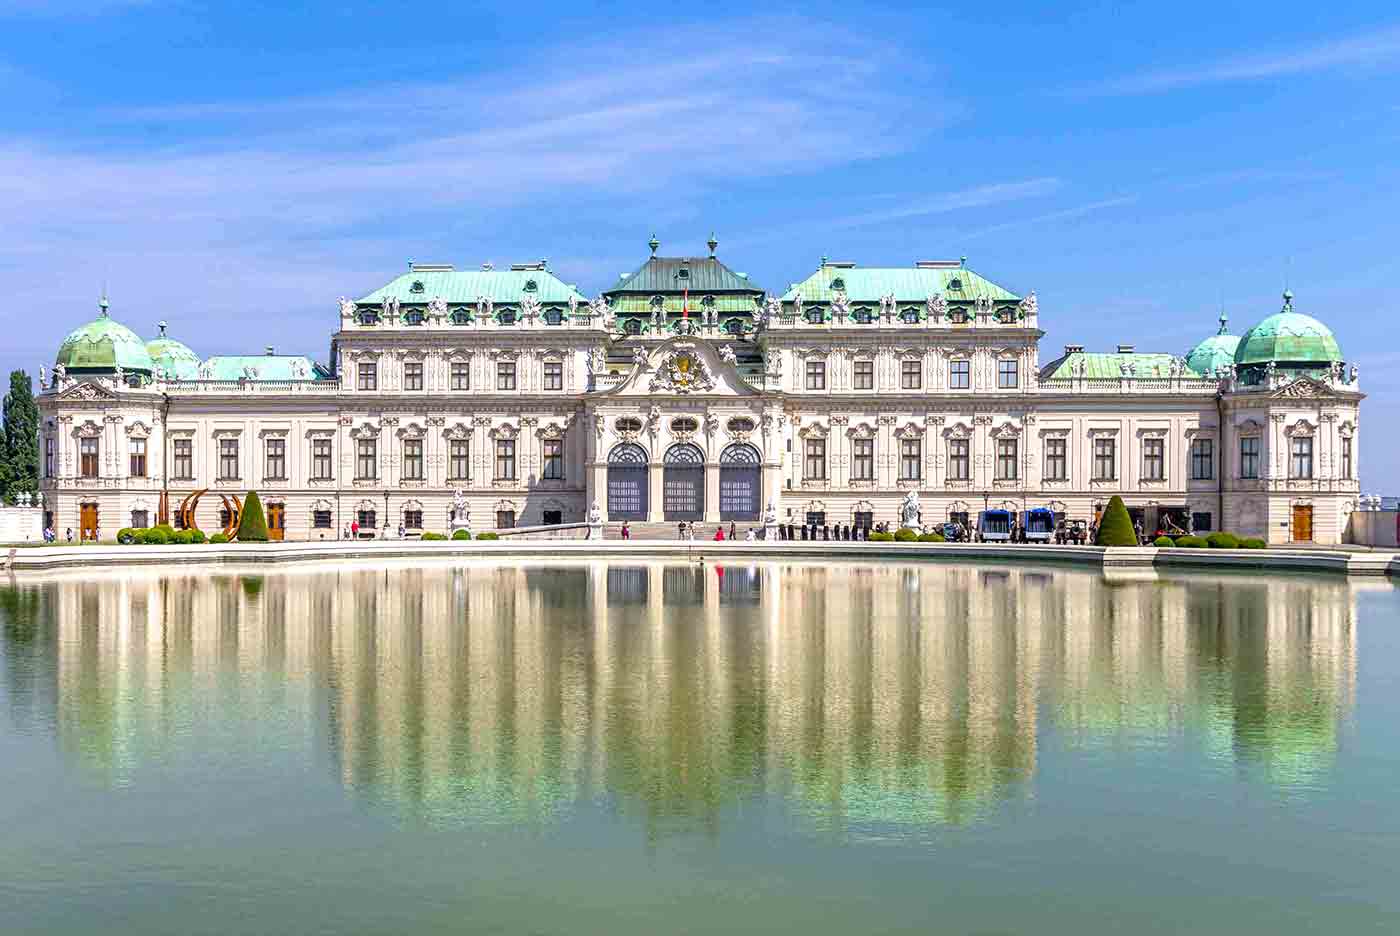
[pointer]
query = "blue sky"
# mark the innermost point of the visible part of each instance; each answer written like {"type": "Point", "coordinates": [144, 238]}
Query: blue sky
{"type": "Point", "coordinates": [233, 168]}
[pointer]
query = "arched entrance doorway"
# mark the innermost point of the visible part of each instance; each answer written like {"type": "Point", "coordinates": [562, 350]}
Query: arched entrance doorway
{"type": "Point", "coordinates": [740, 483]}
{"type": "Point", "coordinates": [627, 482]}
{"type": "Point", "coordinates": [683, 483]}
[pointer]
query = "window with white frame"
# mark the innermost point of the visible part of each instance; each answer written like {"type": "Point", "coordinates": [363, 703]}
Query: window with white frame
{"type": "Point", "coordinates": [816, 375]}
{"type": "Point", "coordinates": [1154, 460]}
{"type": "Point", "coordinates": [461, 375]}
{"type": "Point", "coordinates": [1249, 457]}
{"type": "Point", "coordinates": [1056, 459]}
{"type": "Point", "coordinates": [911, 459]}
{"type": "Point", "coordinates": [1007, 459]}
{"type": "Point", "coordinates": [1302, 458]}
{"type": "Point", "coordinates": [911, 374]}
{"type": "Point", "coordinates": [1008, 373]}
{"type": "Point", "coordinates": [959, 374]}
{"type": "Point", "coordinates": [862, 459]}
{"type": "Point", "coordinates": [959, 460]}
{"type": "Point", "coordinates": [1202, 460]}
{"type": "Point", "coordinates": [863, 375]}
{"type": "Point", "coordinates": [815, 462]}
{"type": "Point", "coordinates": [1105, 458]}
{"type": "Point", "coordinates": [413, 459]}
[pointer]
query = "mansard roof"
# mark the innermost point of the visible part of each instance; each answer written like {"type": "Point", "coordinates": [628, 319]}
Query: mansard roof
{"type": "Point", "coordinates": [1110, 364]}
{"type": "Point", "coordinates": [424, 282]}
{"type": "Point", "coordinates": [663, 275]}
{"type": "Point", "coordinates": [949, 278]}
{"type": "Point", "coordinates": [262, 367]}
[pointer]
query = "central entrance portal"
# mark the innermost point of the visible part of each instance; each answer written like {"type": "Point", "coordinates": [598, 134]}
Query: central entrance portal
{"type": "Point", "coordinates": [740, 483]}
{"type": "Point", "coordinates": [627, 483]}
{"type": "Point", "coordinates": [683, 483]}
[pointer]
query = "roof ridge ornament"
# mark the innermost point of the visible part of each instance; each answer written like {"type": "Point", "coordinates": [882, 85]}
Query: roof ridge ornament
{"type": "Point", "coordinates": [102, 304]}
{"type": "Point", "coordinates": [1287, 301]}
{"type": "Point", "coordinates": [653, 244]}
{"type": "Point", "coordinates": [1224, 323]}
{"type": "Point", "coordinates": [712, 243]}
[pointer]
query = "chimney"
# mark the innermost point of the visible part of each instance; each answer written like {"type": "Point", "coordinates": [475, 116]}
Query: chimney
{"type": "Point", "coordinates": [1074, 349]}
{"type": "Point", "coordinates": [268, 350]}
{"type": "Point", "coordinates": [1126, 349]}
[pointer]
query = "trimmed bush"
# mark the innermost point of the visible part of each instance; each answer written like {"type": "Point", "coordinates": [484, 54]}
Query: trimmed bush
{"type": "Point", "coordinates": [155, 536]}
{"type": "Point", "coordinates": [127, 535]}
{"type": "Point", "coordinates": [435, 536]}
{"type": "Point", "coordinates": [252, 525]}
{"type": "Point", "coordinates": [881, 537]}
{"type": "Point", "coordinates": [463, 535]}
{"type": "Point", "coordinates": [1116, 527]}
{"type": "Point", "coordinates": [1223, 541]}
{"type": "Point", "coordinates": [196, 535]}
{"type": "Point", "coordinates": [931, 538]}
{"type": "Point", "coordinates": [905, 535]}
{"type": "Point", "coordinates": [167, 529]}
{"type": "Point", "coordinates": [1163, 542]}
{"type": "Point", "coordinates": [1253, 542]}
{"type": "Point", "coordinates": [218, 538]}
{"type": "Point", "coordinates": [484, 537]}
{"type": "Point", "coordinates": [1190, 542]}
{"type": "Point", "coordinates": [182, 537]}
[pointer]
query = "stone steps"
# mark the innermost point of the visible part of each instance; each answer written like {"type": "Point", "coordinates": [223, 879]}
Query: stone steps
{"type": "Point", "coordinates": [671, 531]}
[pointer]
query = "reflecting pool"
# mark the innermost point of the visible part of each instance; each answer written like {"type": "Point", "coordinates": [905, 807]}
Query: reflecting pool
{"type": "Point", "coordinates": [665, 747]}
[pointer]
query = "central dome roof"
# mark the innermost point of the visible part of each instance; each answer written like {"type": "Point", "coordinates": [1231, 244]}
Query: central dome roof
{"type": "Point", "coordinates": [1288, 337]}
{"type": "Point", "coordinates": [103, 345]}
{"type": "Point", "coordinates": [172, 359]}
{"type": "Point", "coordinates": [1215, 352]}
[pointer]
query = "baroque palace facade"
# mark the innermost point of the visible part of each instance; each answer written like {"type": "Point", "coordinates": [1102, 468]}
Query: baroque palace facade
{"type": "Point", "coordinates": [687, 392]}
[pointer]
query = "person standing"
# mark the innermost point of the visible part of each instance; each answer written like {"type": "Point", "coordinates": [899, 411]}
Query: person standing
{"type": "Point", "coordinates": [626, 531]}
{"type": "Point", "coordinates": [719, 533]}
{"type": "Point", "coordinates": [354, 529]}
{"type": "Point", "coordinates": [733, 531]}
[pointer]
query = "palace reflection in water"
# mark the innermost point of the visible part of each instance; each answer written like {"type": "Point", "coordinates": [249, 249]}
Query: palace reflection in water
{"type": "Point", "coordinates": [880, 694]}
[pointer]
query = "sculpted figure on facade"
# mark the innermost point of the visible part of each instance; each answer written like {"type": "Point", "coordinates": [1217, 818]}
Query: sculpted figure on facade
{"type": "Point", "coordinates": [1353, 374]}
{"type": "Point", "coordinates": [597, 362]}
{"type": "Point", "coordinates": [639, 356]}
{"type": "Point", "coordinates": [529, 308]}
{"type": "Point", "coordinates": [772, 309]}
{"type": "Point", "coordinates": [910, 513]}
{"type": "Point", "coordinates": [437, 308]}
{"type": "Point", "coordinates": [573, 306]}
{"type": "Point", "coordinates": [485, 308]}
{"type": "Point", "coordinates": [726, 354]}
{"type": "Point", "coordinates": [347, 307]}
{"type": "Point", "coordinates": [43, 378]}
{"type": "Point", "coordinates": [935, 306]}
{"type": "Point", "coordinates": [797, 307]}
{"type": "Point", "coordinates": [840, 306]}
{"type": "Point", "coordinates": [389, 308]}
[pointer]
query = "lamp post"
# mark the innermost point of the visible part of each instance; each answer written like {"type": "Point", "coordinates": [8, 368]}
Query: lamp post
{"type": "Point", "coordinates": [385, 522]}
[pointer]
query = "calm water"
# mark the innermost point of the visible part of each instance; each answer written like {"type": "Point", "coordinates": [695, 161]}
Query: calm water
{"type": "Point", "coordinates": [666, 748]}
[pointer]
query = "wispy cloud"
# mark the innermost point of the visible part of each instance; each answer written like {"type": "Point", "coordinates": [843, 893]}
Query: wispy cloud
{"type": "Point", "coordinates": [977, 197]}
{"type": "Point", "coordinates": [1376, 48]}
{"type": "Point", "coordinates": [1064, 214]}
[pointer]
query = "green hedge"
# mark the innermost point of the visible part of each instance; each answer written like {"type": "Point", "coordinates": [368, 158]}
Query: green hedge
{"type": "Point", "coordinates": [196, 535]}
{"type": "Point", "coordinates": [155, 536]}
{"type": "Point", "coordinates": [881, 537]}
{"type": "Point", "coordinates": [1253, 542]}
{"type": "Point", "coordinates": [931, 538]}
{"type": "Point", "coordinates": [1190, 542]}
{"type": "Point", "coordinates": [905, 535]}
{"type": "Point", "coordinates": [1162, 542]}
{"type": "Point", "coordinates": [435, 536]}
{"type": "Point", "coordinates": [158, 536]}
{"type": "Point", "coordinates": [182, 537]}
{"type": "Point", "coordinates": [1116, 527]}
{"type": "Point", "coordinates": [218, 538]}
{"type": "Point", "coordinates": [127, 535]}
{"type": "Point", "coordinates": [252, 525]}
{"type": "Point", "coordinates": [1223, 540]}
{"type": "Point", "coordinates": [484, 537]}
{"type": "Point", "coordinates": [463, 535]}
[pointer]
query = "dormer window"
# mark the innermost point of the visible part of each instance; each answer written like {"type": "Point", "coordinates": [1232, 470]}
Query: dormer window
{"type": "Point", "coordinates": [862, 316]}
{"type": "Point", "coordinates": [461, 317]}
{"type": "Point", "coordinates": [683, 274]}
{"type": "Point", "coordinates": [1006, 316]}
{"type": "Point", "coordinates": [531, 286]}
{"type": "Point", "coordinates": [554, 316]}
{"type": "Point", "coordinates": [413, 317]}
{"type": "Point", "coordinates": [417, 286]}
{"type": "Point", "coordinates": [367, 317]}
{"type": "Point", "coordinates": [813, 316]}
{"type": "Point", "coordinates": [955, 283]}
{"type": "Point", "coordinates": [633, 326]}
{"type": "Point", "coordinates": [735, 326]}
{"type": "Point", "coordinates": [909, 316]}
{"type": "Point", "coordinates": [505, 317]}
{"type": "Point", "coordinates": [658, 301]}
{"type": "Point", "coordinates": [958, 316]}
{"type": "Point", "coordinates": [838, 283]}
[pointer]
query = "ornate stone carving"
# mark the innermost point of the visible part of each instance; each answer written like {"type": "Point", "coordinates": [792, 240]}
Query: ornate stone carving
{"type": "Point", "coordinates": [437, 308]}
{"type": "Point", "coordinates": [485, 309]}
{"type": "Point", "coordinates": [389, 308]}
{"type": "Point", "coordinates": [726, 354]}
{"type": "Point", "coordinates": [529, 308]}
{"type": "Point", "coordinates": [1029, 305]}
{"type": "Point", "coordinates": [85, 391]}
{"type": "Point", "coordinates": [683, 371]}
{"type": "Point", "coordinates": [347, 307]}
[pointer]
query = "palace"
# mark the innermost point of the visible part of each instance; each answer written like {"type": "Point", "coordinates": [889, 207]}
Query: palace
{"type": "Point", "coordinates": [685, 391]}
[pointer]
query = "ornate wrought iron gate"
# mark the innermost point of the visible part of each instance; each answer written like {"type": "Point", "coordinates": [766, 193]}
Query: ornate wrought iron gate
{"type": "Point", "coordinates": [740, 483]}
{"type": "Point", "coordinates": [683, 483]}
{"type": "Point", "coordinates": [627, 483]}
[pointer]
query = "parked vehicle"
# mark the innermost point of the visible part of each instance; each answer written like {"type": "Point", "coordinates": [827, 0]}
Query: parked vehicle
{"type": "Point", "coordinates": [994, 526]}
{"type": "Point", "coordinates": [954, 532]}
{"type": "Point", "coordinates": [1072, 532]}
{"type": "Point", "coordinates": [1037, 525]}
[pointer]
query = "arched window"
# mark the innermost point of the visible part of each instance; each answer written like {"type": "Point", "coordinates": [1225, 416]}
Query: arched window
{"type": "Point", "coordinates": [627, 482]}
{"type": "Point", "coordinates": [461, 317]}
{"type": "Point", "coordinates": [554, 316]}
{"type": "Point", "coordinates": [413, 317]}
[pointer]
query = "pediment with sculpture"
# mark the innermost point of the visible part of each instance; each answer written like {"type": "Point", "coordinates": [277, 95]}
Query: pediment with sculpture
{"type": "Point", "coordinates": [683, 366]}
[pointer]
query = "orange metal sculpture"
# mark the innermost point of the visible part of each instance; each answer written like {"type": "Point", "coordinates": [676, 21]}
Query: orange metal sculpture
{"type": "Point", "coordinates": [231, 504]}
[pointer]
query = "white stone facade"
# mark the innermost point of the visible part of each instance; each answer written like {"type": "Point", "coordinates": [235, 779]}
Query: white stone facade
{"type": "Point", "coordinates": [839, 420]}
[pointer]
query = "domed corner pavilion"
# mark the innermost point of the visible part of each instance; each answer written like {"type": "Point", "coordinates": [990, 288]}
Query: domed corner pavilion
{"type": "Point", "coordinates": [1288, 343]}
{"type": "Point", "coordinates": [104, 347]}
{"type": "Point", "coordinates": [702, 450]}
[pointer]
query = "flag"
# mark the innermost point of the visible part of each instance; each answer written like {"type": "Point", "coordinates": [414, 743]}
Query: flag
{"type": "Point", "coordinates": [685, 303]}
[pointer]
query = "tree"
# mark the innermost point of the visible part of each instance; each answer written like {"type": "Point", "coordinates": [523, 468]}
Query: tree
{"type": "Point", "coordinates": [252, 525]}
{"type": "Point", "coordinates": [1116, 527]}
{"type": "Point", "coordinates": [19, 465]}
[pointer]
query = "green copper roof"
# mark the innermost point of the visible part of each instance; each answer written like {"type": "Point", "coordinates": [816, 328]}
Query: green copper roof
{"type": "Point", "coordinates": [171, 358]}
{"type": "Point", "coordinates": [1103, 364]}
{"type": "Point", "coordinates": [103, 345]}
{"type": "Point", "coordinates": [954, 282]}
{"type": "Point", "coordinates": [466, 287]}
{"type": "Point", "coordinates": [1214, 352]}
{"type": "Point", "coordinates": [1288, 337]}
{"type": "Point", "coordinates": [699, 275]}
{"type": "Point", "coordinates": [262, 367]}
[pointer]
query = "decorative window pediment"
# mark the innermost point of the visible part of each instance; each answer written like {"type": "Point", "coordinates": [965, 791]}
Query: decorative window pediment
{"type": "Point", "coordinates": [138, 430]}
{"type": "Point", "coordinates": [504, 431]}
{"type": "Point", "coordinates": [365, 430]}
{"type": "Point", "coordinates": [1007, 430]}
{"type": "Point", "coordinates": [958, 430]}
{"type": "Point", "coordinates": [1250, 427]}
{"type": "Point", "coordinates": [909, 431]}
{"type": "Point", "coordinates": [550, 431]}
{"type": "Point", "coordinates": [412, 431]}
{"type": "Point", "coordinates": [457, 431]}
{"type": "Point", "coordinates": [814, 431]}
{"type": "Point", "coordinates": [1301, 428]}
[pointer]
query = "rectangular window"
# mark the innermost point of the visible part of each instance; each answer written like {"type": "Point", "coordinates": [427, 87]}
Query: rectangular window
{"type": "Point", "coordinates": [863, 377]}
{"type": "Point", "coordinates": [862, 459]}
{"type": "Point", "coordinates": [1105, 459]}
{"type": "Point", "coordinates": [505, 519]}
{"type": "Point", "coordinates": [321, 519]}
{"type": "Point", "coordinates": [1008, 373]}
{"type": "Point", "coordinates": [138, 458]}
{"type": "Point", "coordinates": [366, 519]}
{"type": "Point", "coordinates": [816, 375]}
{"type": "Point", "coordinates": [368, 376]}
{"type": "Point", "coordinates": [505, 459]}
{"type": "Point", "coordinates": [49, 456]}
{"type": "Point", "coordinates": [413, 519]}
{"type": "Point", "coordinates": [276, 468]}
{"type": "Point", "coordinates": [505, 375]}
{"type": "Point", "coordinates": [228, 459]}
{"type": "Point", "coordinates": [553, 460]}
{"type": "Point", "coordinates": [1006, 459]}
{"type": "Point", "coordinates": [1249, 458]}
{"type": "Point", "coordinates": [140, 519]}
{"type": "Point", "coordinates": [458, 460]}
{"type": "Point", "coordinates": [366, 459]}
{"type": "Point", "coordinates": [1056, 460]}
{"type": "Point", "coordinates": [816, 460]}
{"type": "Point", "coordinates": [1346, 458]}
{"type": "Point", "coordinates": [551, 517]}
{"type": "Point", "coordinates": [1201, 522]}
{"type": "Point", "coordinates": [184, 459]}
{"type": "Point", "coordinates": [959, 462]}
{"type": "Point", "coordinates": [1154, 461]}
{"type": "Point", "coordinates": [321, 459]}
{"type": "Point", "coordinates": [553, 375]}
{"type": "Point", "coordinates": [959, 375]}
{"type": "Point", "coordinates": [461, 375]}
{"type": "Point", "coordinates": [911, 374]}
{"type": "Point", "coordinates": [911, 459]}
{"type": "Point", "coordinates": [1202, 460]}
{"type": "Point", "coordinates": [413, 375]}
{"type": "Point", "coordinates": [413, 459]}
{"type": "Point", "coordinates": [87, 458]}
{"type": "Point", "coordinates": [1302, 458]}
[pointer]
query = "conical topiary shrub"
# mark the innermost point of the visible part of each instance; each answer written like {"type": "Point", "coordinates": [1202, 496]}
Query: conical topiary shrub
{"type": "Point", "coordinates": [252, 525]}
{"type": "Point", "coordinates": [1116, 527]}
